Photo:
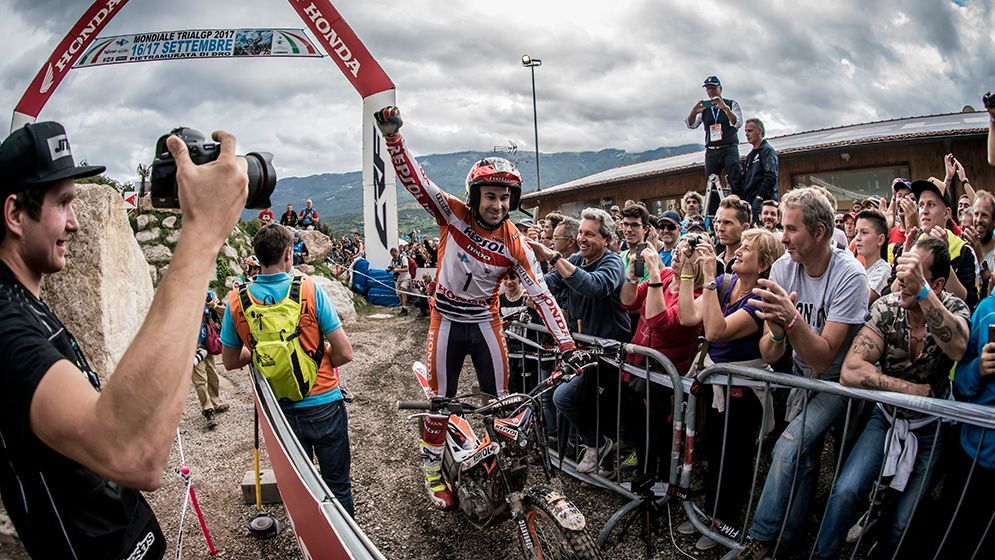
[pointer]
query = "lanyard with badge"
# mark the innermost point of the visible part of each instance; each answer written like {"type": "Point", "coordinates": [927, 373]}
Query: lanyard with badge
{"type": "Point", "coordinates": [715, 130]}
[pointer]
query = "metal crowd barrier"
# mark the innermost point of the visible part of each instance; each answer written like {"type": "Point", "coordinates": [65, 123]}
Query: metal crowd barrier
{"type": "Point", "coordinates": [660, 372]}
{"type": "Point", "coordinates": [724, 377]}
{"type": "Point", "coordinates": [324, 530]}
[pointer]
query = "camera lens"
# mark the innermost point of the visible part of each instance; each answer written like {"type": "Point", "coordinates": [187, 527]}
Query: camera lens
{"type": "Point", "coordinates": [262, 179]}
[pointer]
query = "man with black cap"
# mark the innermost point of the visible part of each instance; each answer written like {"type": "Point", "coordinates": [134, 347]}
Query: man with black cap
{"type": "Point", "coordinates": [670, 234]}
{"type": "Point", "coordinates": [934, 215]}
{"type": "Point", "coordinates": [74, 454]}
{"type": "Point", "coordinates": [722, 119]}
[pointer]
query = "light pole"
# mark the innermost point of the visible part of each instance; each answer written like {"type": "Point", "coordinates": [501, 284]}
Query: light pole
{"type": "Point", "coordinates": [531, 64]}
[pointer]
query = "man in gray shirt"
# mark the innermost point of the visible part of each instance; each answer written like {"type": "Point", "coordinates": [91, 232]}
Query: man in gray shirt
{"type": "Point", "coordinates": [817, 299]}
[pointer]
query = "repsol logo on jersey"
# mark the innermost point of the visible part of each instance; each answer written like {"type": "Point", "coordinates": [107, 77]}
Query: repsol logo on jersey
{"type": "Point", "coordinates": [489, 244]}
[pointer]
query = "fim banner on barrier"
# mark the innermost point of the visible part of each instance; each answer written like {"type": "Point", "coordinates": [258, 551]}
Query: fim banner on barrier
{"type": "Point", "coordinates": [197, 43]}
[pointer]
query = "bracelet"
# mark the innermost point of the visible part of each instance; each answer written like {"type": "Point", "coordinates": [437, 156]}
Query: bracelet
{"type": "Point", "coordinates": [777, 339]}
{"type": "Point", "coordinates": [923, 293]}
{"type": "Point", "coordinates": [655, 284]}
{"type": "Point", "coordinates": [791, 323]}
{"type": "Point", "coordinates": [687, 277]}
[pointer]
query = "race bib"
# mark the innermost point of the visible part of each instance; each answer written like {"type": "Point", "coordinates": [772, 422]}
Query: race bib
{"type": "Point", "coordinates": [715, 133]}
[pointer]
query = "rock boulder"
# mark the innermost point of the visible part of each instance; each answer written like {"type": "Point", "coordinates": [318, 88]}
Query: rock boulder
{"type": "Point", "coordinates": [157, 254]}
{"type": "Point", "coordinates": [105, 290]}
{"type": "Point", "coordinates": [340, 295]}
{"type": "Point", "coordinates": [318, 244]}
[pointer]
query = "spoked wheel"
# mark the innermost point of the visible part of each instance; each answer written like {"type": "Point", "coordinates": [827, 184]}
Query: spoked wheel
{"type": "Point", "coordinates": [557, 528]}
{"type": "Point", "coordinates": [629, 533]}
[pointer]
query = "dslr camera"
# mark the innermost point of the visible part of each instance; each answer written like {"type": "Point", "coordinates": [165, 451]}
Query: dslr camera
{"type": "Point", "coordinates": [262, 175]}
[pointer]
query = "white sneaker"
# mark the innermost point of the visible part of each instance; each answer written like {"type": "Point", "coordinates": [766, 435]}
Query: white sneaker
{"type": "Point", "coordinates": [593, 456]}
{"type": "Point", "coordinates": [687, 528]}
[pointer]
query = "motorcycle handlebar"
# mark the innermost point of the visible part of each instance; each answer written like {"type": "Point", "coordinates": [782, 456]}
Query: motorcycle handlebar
{"type": "Point", "coordinates": [414, 405]}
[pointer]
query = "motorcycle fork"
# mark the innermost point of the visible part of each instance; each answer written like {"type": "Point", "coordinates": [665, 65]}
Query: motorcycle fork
{"type": "Point", "coordinates": [518, 516]}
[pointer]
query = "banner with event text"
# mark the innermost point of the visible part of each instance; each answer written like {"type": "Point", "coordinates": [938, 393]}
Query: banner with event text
{"type": "Point", "coordinates": [197, 43]}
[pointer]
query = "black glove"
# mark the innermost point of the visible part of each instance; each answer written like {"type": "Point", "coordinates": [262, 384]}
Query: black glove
{"type": "Point", "coordinates": [388, 120]}
{"type": "Point", "coordinates": [577, 361]}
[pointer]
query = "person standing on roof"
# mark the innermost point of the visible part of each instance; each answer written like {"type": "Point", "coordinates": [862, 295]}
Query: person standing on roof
{"type": "Point", "coordinates": [722, 119]}
{"type": "Point", "coordinates": [477, 249]}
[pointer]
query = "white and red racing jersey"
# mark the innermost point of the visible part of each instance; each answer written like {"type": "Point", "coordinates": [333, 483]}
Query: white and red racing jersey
{"type": "Point", "coordinates": [472, 261]}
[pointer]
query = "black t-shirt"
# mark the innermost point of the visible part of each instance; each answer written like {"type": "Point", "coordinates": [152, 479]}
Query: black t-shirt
{"type": "Point", "coordinates": [60, 508]}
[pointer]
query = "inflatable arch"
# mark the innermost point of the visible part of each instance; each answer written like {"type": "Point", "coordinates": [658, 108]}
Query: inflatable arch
{"type": "Point", "coordinates": [341, 45]}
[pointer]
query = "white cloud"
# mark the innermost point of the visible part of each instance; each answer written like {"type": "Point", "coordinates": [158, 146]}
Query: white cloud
{"type": "Point", "coordinates": [620, 74]}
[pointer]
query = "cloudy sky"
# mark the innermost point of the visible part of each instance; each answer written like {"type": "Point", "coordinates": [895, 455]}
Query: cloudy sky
{"type": "Point", "coordinates": [614, 74]}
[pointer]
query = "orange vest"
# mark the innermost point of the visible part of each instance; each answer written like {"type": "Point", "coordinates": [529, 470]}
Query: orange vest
{"type": "Point", "coordinates": [310, 336]}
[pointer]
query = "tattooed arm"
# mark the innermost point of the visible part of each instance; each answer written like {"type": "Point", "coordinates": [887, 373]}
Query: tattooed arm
{"type": "Point", "coordinates": [949, 331]}
{"type": "Point", "coordinates": [859, 371]}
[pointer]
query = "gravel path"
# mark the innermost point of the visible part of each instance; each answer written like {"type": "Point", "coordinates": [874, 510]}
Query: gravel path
{"type": "Point", "coordinates": [390, 504]}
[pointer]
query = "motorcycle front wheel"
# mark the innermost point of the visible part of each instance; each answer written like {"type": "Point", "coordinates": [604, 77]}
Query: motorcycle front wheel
{"type": "Point", "coordinates": [554, 528]}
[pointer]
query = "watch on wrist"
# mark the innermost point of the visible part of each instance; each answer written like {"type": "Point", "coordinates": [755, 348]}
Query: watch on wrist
{"type": "Point", "coordinates": [709, 286]}
{"type": "Point", "coordinates": [556, 256]}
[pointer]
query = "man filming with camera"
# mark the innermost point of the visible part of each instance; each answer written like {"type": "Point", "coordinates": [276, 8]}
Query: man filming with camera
{"type": "Point", "coordinates": [722, 119]}
{"type": "Point", "coordinates": [74, 453]}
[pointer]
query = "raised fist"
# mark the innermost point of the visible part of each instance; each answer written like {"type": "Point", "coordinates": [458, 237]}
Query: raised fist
{"type": "Point", "coordinates": [388, 120]}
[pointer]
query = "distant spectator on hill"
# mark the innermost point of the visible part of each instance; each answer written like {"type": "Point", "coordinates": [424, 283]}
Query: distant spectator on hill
{"type": "Point", "coordinates": [760, 174]}
{"type": "Point", "coordinates": [722, 119]}
{"type": "Point", "coordinates": [289, 218]}
{"type": "Point", "coordinates": [309, 216]}
{"type": "Point", "coordinates": [300, 249]}
{"type": "Point", "coordinates": [265, 216]}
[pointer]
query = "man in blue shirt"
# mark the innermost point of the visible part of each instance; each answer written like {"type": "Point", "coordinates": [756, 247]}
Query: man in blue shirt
{"type": "Point", "coordinates": [319, 420]}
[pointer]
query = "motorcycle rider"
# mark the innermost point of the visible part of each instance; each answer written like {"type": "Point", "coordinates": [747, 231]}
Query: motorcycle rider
{"type": "Point", "coordinates": [478, 246]}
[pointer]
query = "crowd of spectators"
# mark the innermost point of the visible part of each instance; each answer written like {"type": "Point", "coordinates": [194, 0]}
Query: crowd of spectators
{"type": "Point", "coordinates": [878, 295]}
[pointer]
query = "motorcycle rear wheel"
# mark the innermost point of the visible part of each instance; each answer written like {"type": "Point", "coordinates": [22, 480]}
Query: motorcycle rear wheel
{"type": "Point", "coordinates": [551, 538]}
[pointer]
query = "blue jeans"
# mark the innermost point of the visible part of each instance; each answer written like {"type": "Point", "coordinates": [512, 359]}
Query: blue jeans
{"type": "Point", "coordinates": [323, 431]}
{"type": "Point", "coordinates": [855, 481]}
{"type": "Point", "coordinates": [823, 410]}
{"type": "Point", "coordinates": [578, 403]}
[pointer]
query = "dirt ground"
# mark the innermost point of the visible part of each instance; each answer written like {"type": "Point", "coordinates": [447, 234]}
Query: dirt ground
{"type": "Point", "coordinates": [387, 487]}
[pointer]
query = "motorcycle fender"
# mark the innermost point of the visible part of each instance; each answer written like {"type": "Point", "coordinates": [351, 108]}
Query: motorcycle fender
{"type": "Point", "coordinates": [566, 513]}
{"type": "Point", "coordinates": [480, 455]}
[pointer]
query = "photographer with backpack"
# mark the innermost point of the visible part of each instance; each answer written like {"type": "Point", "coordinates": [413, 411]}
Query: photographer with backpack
{"type": "Point", "coordinates": [302, 370]}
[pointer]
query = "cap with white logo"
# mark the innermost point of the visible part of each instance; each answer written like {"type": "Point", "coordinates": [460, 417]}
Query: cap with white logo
{"type": "Point", "coordinates": [38, 155]}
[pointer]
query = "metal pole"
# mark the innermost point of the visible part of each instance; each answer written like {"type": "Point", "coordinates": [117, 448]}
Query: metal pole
{"type": "Point", "coordinates": [535, 122]}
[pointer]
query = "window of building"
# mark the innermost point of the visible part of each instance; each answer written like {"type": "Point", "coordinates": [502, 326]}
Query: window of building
{"type": "Point", "coordinates": [573, 209]}
{"type": "Point", "coordinates": [660, 205]}
{"type": "Point", "coordinates": [854, 184]}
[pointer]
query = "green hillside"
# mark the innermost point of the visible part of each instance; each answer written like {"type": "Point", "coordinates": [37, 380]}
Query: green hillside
{"type": "Point", "coordinates": [339, 196]}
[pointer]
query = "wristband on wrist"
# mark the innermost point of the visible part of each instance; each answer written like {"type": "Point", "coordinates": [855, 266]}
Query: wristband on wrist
{"type": "Point", "coordinates": [655, 284]}
{"type": "Point", "coordinates": [687, 277]}
{"type": "Point", "coordinates": [791, 323]}
{"type": "Point", "coordinates": [923, 293]}
{"type": "Point", "coordinates": [777, 338]}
